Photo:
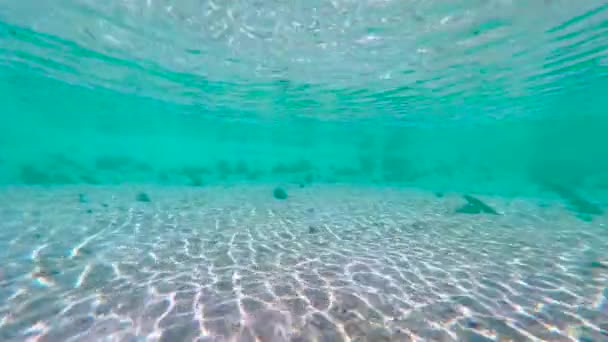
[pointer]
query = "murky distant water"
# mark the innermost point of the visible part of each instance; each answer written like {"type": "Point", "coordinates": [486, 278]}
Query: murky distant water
{"type": "Point", "coordinates": [493, 96]}
{"type": "Point", "coordinates": [492, 113]}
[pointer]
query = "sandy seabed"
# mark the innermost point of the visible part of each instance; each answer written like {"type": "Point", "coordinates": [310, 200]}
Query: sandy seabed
{"type": "Point", "coordinates": [330, 263]}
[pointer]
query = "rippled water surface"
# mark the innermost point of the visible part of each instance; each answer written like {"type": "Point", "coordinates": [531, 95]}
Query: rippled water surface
{"type": "Point", "coordinates": [332, 170]}
{"type": "Point", "coordinates": [490, 95]}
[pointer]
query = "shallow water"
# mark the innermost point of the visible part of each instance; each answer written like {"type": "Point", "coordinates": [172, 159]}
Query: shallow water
{"type": "Point", "coordinates": [487, 96]}
{"type": "Point", "coordinates": [196, 169]}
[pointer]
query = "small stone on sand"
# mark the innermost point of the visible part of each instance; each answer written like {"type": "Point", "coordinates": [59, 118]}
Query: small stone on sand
{"type": "Point", "coordinates": [143, 197]}
{"type": "Point", "coordinates": [82, 198]}
{"type": "Point", "coordinates": [475, 206]}
{"type": "Point", "coordinates": [279, 194]}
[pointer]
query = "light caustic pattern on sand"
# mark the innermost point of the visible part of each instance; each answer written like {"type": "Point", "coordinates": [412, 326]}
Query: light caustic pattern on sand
{"type": "Point", "coordinates": [331, 263]}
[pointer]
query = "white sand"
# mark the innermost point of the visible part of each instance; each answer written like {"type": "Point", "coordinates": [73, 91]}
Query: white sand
{"type": "Point", "coordinates": [330, 263]}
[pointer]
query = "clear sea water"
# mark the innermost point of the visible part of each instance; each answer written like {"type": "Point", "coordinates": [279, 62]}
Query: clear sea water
{"type": "Point", "coordinates": [373, 115]}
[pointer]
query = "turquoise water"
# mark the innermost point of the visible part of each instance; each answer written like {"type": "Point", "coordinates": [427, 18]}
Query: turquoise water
{"type": "Point", "coordinates": [490, 96]}
{"type": "Point", "coordinates": [484, 121]}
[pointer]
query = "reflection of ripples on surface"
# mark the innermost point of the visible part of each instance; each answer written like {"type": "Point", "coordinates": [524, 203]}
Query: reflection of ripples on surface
{"type": "Point", "coordinates": [328, 264]}
{"type": "Point", "coordinates": [320, 58]}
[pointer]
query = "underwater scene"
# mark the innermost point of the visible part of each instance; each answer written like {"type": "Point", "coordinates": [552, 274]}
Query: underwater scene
{"type": "Point", "coordinates": [305, 170]}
